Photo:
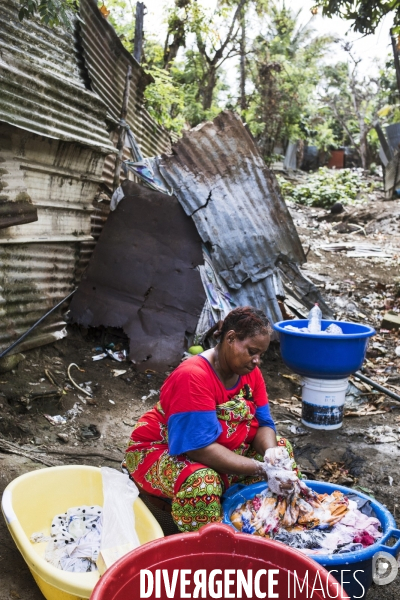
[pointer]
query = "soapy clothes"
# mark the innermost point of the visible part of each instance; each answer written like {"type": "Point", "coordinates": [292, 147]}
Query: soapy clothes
{"type": "Point", "coordinates": [292, 513]}
{"type": "Point", "coordinates": [317, 524]}
{"type": "Point", "coordinates": [75, 539]}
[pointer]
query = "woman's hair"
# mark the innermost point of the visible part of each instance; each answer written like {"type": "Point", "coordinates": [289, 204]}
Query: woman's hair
{"type": "Point", "coordinates": [245, 321]}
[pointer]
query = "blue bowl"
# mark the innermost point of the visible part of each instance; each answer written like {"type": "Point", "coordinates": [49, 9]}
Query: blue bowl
{"type": "Point", "coordinates": [324, 356]}
{"type": "Point", "coordinates": [344, 566]}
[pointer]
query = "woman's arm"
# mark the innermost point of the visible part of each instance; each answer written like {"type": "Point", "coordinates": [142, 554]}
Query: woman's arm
{"type": "Point", "coordinates": [222, 460]}
{"type": "Point", "coordinates": [265, 438]}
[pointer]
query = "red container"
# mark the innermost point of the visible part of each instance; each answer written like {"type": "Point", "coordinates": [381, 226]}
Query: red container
{"type": "Point", "coordinates": [217, 560]}
{"type": "Point", "coordinates": [336, 159]}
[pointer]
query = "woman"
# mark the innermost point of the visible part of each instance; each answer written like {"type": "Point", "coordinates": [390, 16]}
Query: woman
{"type": "Point", "coordinates": [211, 426]}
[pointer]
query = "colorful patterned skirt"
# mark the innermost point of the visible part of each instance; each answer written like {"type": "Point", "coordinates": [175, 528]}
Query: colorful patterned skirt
{"type": "Point", "coordinates": [195, 490]}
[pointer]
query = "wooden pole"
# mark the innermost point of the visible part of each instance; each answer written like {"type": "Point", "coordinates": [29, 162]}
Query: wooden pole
{"type": "Point", "coordinates": [137, 50]}
{"type": "Point", "coordinates": [396, 58]}
{"type": "Point", "coordinates": [122, 131]}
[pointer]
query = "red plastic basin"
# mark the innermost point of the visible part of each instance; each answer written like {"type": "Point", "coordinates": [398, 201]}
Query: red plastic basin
{"type": "Point", "coordinates": [217, 548]}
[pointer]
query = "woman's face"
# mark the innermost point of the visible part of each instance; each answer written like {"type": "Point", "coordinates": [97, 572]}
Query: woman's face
{"type": "Point", "coordinates": [242, 356]}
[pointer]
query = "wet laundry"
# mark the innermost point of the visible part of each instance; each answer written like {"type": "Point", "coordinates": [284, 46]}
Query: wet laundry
{"type": "Point", "coordinates": [74, 541]}
{"type": "Point", "coordinates": [314, 523]}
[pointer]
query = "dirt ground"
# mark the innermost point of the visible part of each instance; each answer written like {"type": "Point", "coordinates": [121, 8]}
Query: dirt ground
{"type": "Point", "coordinates": [96, 430]}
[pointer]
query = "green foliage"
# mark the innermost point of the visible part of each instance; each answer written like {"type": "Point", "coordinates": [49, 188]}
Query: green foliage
{"type": "Point", "coordinates": [285, 73]}
{"type": "Point", "coordinates": [50, 12]}
{"type": "Point", "coordinates": [122, 17]}
{"type": "Point", "coordinates": [165, 100]}
{"type": "Point", "coordinates": [324, 188]}
{"type": "Point", "coordinates": [365, 15]}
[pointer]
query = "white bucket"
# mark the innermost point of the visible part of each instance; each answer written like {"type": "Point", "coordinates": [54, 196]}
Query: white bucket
{"type": "Point", "coordinates": [323, 402]}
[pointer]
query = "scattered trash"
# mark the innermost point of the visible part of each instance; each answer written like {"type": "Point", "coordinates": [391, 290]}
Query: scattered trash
{"type": "Point", "coordinates": [90, 432]}
{"type": "Point", "coordinates": [64, 437]}
{"type": "Point", "coordinates": [119, 355]}
{"type": "Point", "coordinates": [78, 387]}
{"type": "Point", "coordinates": [297, 430]}
{"type": "Point", "coordinates": [56, 419]}
{"type": "Point", "coordinates": [359, 250]}
{"type": "Point", "coordinates": [150, 394]}
{"type": "Point", "coordinates": [111, 402]}
{"type": "Point", "coordinates": [382, 434]}
{"type": "Point", "coordinates": [390, 480]}
{"type": "Point", "coordinates": [74, 411]}
{"type": "Point", "coordinates": [100, 356]}
{"type": "Point", "coordinates": [117, 373]}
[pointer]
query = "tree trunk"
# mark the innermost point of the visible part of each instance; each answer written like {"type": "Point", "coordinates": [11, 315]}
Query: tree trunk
{"type": "Point", "coordinates": [208, 92]}
{"type": "Point", "coordinates": [364, 148]}
{"type": "Point", "coordinates": [243, 99]}
{"type": "Point", "coordinates": [138, 43]}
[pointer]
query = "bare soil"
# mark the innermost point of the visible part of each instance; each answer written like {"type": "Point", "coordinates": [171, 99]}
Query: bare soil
{"type": "Point", "coordinates": [118, 401]}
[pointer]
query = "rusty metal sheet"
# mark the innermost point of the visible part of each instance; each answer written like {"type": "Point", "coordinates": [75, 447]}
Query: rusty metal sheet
{"type": "Point", "coordinates": [57, 178]}
{"type": "Point", "coordinates": [107, 63]}
{"type": "Point", "coordinates": [33, 278]}
{"type": "Point", "coordinates": [223, 183]}
{"type": "Point", "coordinates": [142, 277]}
{"type": "Point", "coordinates": [42, 87]}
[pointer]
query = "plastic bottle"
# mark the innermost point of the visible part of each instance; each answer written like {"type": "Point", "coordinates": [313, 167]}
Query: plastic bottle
{"type": "Point", "coordinates": [314, 319]}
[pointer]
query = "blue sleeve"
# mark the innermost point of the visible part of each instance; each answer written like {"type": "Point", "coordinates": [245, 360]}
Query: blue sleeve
{"type": "Point", "coordinates": [264, 418]}
{"type": "Point", "coordinates": [192, 430]}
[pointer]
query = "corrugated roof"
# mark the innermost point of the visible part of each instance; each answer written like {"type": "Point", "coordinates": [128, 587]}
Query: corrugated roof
{"type": "Point", "coordinates": [223, 183]}
{"type": "Point", "coordinates": [107, 62]}
{"type": "Point", "coordinates": [42, 88]}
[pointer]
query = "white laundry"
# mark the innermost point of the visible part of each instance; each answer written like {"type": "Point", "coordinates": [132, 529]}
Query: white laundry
{"type": "Point", "coordinates": [75, 539]}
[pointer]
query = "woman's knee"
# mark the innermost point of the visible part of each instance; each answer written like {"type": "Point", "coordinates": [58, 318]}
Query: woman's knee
{"type": "Point", "coordinates": [198, 500]}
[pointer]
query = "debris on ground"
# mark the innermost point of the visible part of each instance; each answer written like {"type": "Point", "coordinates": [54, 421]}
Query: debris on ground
{"type": "Point", "coordinates": [335, 472]}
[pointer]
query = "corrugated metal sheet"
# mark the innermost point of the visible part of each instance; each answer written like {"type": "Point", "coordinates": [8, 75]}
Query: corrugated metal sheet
{"type": "Point", "coordinates": [107, 62]}
{"type": "Point", "coordinates": [143, 277]}
{"type": "Point", "coordinates": [223, 183]}
{"type": "Point", "coordinates": [56, 128]}
{"type": "Point", "coordinates": [42, 88]}
{"type": "Point", "coordinates": [33, 278]}
{"type": "Point", "coordinates": [60, 179]}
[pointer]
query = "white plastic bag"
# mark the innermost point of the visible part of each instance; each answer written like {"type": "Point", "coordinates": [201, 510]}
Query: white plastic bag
{"type": "Point", "coordinates": [118, 534]}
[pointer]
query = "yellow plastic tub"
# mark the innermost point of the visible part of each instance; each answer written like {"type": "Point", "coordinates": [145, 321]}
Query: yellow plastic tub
{"type": "Point", "coordinates": [31, 501]}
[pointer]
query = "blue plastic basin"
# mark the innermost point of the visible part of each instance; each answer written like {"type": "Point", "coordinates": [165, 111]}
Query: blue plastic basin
{"type": "Point", "coordinates": [324, 356]}
{"type": "Point", "coordinates": [348, 563]}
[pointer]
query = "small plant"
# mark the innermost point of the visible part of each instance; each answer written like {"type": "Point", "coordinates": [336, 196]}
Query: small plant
{"type": "Point", "coordinates": [324, 188]}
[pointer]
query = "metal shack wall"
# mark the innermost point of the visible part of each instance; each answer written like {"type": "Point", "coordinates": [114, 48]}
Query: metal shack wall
{"type": "Point", "coordinates": [57, 124]}
{"type": "Point", "coordinates": [53, 140]}
{"type": "Point", "coordinates": [107, 62]}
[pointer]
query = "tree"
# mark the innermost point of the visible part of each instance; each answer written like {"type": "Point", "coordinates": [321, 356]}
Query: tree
{"type": "Point", "coordinates": [216, 47]}
{"type": "Point", "coordinates": [365, 15]}
{"type": "Point", "coordinates": [179, 25]}
{"type": "Point", "coordinates": [354, 100]}
{"type": "Point", "coordinates": [285, 73]}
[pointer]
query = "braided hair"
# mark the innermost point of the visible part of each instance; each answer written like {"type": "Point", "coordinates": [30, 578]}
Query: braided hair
{"type": "Point", "coordinates": [245, 321]}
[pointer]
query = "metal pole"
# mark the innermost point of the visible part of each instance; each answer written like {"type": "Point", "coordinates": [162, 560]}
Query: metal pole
{"type": "Point", "coordinates": [377, 386]}
{"type": "Point", "coordinates": [24, 335]}
{"type": "Point", "coordinates": [138, 43]}
{"type": "Point", "coordinates": [122, 130]}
